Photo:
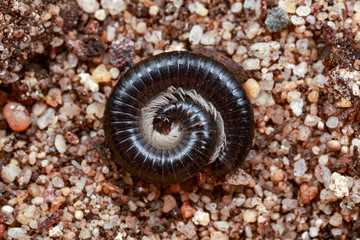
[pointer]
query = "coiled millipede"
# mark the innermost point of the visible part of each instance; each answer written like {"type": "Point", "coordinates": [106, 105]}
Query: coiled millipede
{"type": "Point", "coordinates": [173, 114]}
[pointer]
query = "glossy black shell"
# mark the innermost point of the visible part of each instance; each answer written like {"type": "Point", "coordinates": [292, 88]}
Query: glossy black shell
{"type": "Point", "coordinates": [187, 70]}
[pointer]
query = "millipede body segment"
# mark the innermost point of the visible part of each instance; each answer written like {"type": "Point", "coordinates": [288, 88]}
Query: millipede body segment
{"type": "Point", "coordinates": [175, 113]}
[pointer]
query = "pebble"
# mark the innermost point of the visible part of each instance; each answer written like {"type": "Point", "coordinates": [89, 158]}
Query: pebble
{"type": "Point", "coordinates": [16, 116]}
{"type": "Point", "coordinates": [333, 145]}
{"type": "Point", "coordinates": [289, 204]}
{"type": "Point", "coordinates": [195, 34]}
{"type": "Point", "coordinates": [308, 193]}
{"type": "Point", "coordinates": [114, 6]}
{"type": "Point", "coordinates": [252, 30]}
{"type": "Point", "coordinates": [300, 167]}
{"type": "Point", "coordinates": [70, 110]}
{"type": "Point", "coordinates": [300, 70]}
{"type": "Point", "coordinates": [38, 109]}
{"type": "Point", "coordinates": [222, 226]}
{"type": "Point", "coordinates": [200, 9]}
{"type": "Point", "coordinates": [278, 175]}
{"type": "Point", "coordinates": [7, 209]}
{"type": "Point", "coordinates": [46, 118]}
{"type": "Point", "coordinates": [313, 97]}
{"type": "Point", "coordinates": [311, 121]}
{"type": "Point", "coordinates": [60, 143]}
{"type": "Point", "coordinates": [10, 172]}
{"type": "Point", "coordinates": [314, 231]}
{"type": "Point", "coordinates": [141, 27]}
{"type": "Point", "coordinates": [85, 233]}
{"type": "Point", "coordinates": [303, 11]}
{"type": "Point", "coordinates": [95, 110]}
{"type": "Point", "coordinates": [335, 220]}
{"type": "Point", "coordinates": [332, 122]}
{"type": "Point", "coordinates": [187, 211]}
{"type": "Point", "coordinates": [101, 74]}
{"type": "Point", "coordinates": [236, 7]}
{"type": "Point", "coordinates": [79, 215]}
{"type": "Point", "coordinates": [218, 236]}
{"type": "Point", "coordinates": [339, 185]}
{"type": "Point", "coordinates": [188, 230]}
{"type": "Point", "coordinates": [250, 216]}
{"type": "Point", "coordinates": [277, 20]}
{"type": "Point", "coordinates": [58, 182]}
{"type": "Point", "coordinates": [89, 84]}
{"type": "Point", "coordinates": [100, 15]}
{"type": "Point", "coordinates": [252, 88]}
{"type": "Point", "coordinates": [18, 233]}
{"type": "Point", "coordinates": [201, 218]}
{"type": "Point", "coordinates": [251, 64]}
{"type": "Point", "coordinates": [88, 6]}
{"type": "Point", "coordinates": [297, 106]}
{"type": "Point", "coordinates": [208, 38]}
{"type": "Point", "coordinates": [288, 5]}
{"type": "Point", "coordinates": [240, 177]}
{"type": "Point", "coordinates": [169, 203]}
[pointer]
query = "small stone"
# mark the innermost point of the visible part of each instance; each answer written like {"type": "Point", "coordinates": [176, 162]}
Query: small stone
{"type": "Point", "coordinates": [100, 14]}
{"type": "Point", "coordinates": [16, 116]}
{"type": "Point", "coordinates": [18, 233]}
{"type": "Point", "coordinates": [70, 109]}
{"type": "Point", "coordinates": [39, 108]}
{"type": "Point", "coordinates": [49, 195]}
{"type": "Point", "coordinates": [218, 236]}
{"type": "Point", "coordinates": [240, 177]}
{"type": "Point", "coordinates": [187, 211]}
{"type": "Point", "coordinates": [344, 103]}
{"type": "Point", "coordinates": [89, 84]}
{"type": "Point", "coordinates": [79, 215]}
{"type": "Point", "coordinates": [60, 143]}
{"type": "Point", "coordinates": [55, 232]}
{"type": "Point", "coordinates": [339, 185]}
{"type": "Point", "coordinates": [300, 70]}
{"type": "Point", "coordinates": [252, 30]}
{"type": "Point", "coordinates": [7, 209]}
{"type": "Point", "coordinates": [222, 226]}
{"type": "Point", "coordinates": [303, 11]}
{"type": "Point", "coordinates": [95, 110]}
{"type": "Point", "coordinates": [289, 204]}
{"type": "Point", "coordinates": [101, 74]}
{"type": "Point", "coordinates": [297, 106]}
{"type": "Point", "coordinates": [288, 5]}
{"type": "Point", "coordinates": [85, 234]}
{"type": "Point", "coordinates": [311, 120]}
{"type": "Point", "coordinates": [314, 231]}
{"type": "Point", "coordinates": [236, 7]}
{"type": "Point", "coordinates": [336, 220]}
{"type": "Point", "coordinates": [278, 175]}
{"type": "Point", "coordinates": [251, 64]}
{"type": "Point", "coordinates": [10, 172]}
{"type": "Point", "coordinates": [169, 203]}
{"type": "Point", "coordinates": [252, 88]}
{"type": "Point", "coordinates": [200, 9]}
{"type": "Point", "coordinates": [195, 34]}
{"type": "Point", "coordinates": [250, 216]}
{"type": "Point", "coordinates": [308, 193]}
{"type": "Point", "coordinates": [332, 122]}
{"type": "Point", "coordinates": [300, 168]}
{"type": "Point", "coordinates": [201, 218]}
{"type": "Point", "coordinates": [55, 205]}
{"type": "Point", "coordinates": [58, 182]}
{"type": "Point", "coordinates": [277, 20]}
{"type": "Point", "coordinates": [313, 97]}
{"type": "Point", "coordinates": [188, 230]}
{"type": "Point", "coordinates": [208, 38]}
{"type": "Point", "coordinates": [88, 6]}
{"type": "Point", "coordinates": [46, 118]}
{"type": "Point", "coordinates": [115, 72]}
{"type": "Point", "coordinates": [65, 191]}
{"type": "Point", "coordinates": [141, 27]}
{"type": "Point", "coordinates": [114, 6]}
{"type": "Point", "coordinates": [333, 145]}
{"type": "Point", "coordinates": [54, 97]}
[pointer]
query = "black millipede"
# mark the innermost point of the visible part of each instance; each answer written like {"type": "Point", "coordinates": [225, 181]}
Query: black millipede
{"type": "Point", "coordinates": [175, 113]}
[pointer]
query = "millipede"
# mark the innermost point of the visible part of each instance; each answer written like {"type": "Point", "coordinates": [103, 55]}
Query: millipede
{"type": "Point", "coordinates": [173, 114]}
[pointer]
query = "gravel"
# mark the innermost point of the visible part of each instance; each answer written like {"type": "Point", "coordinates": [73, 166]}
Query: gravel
{"type": "Point", "coordinates": [300, 180]}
